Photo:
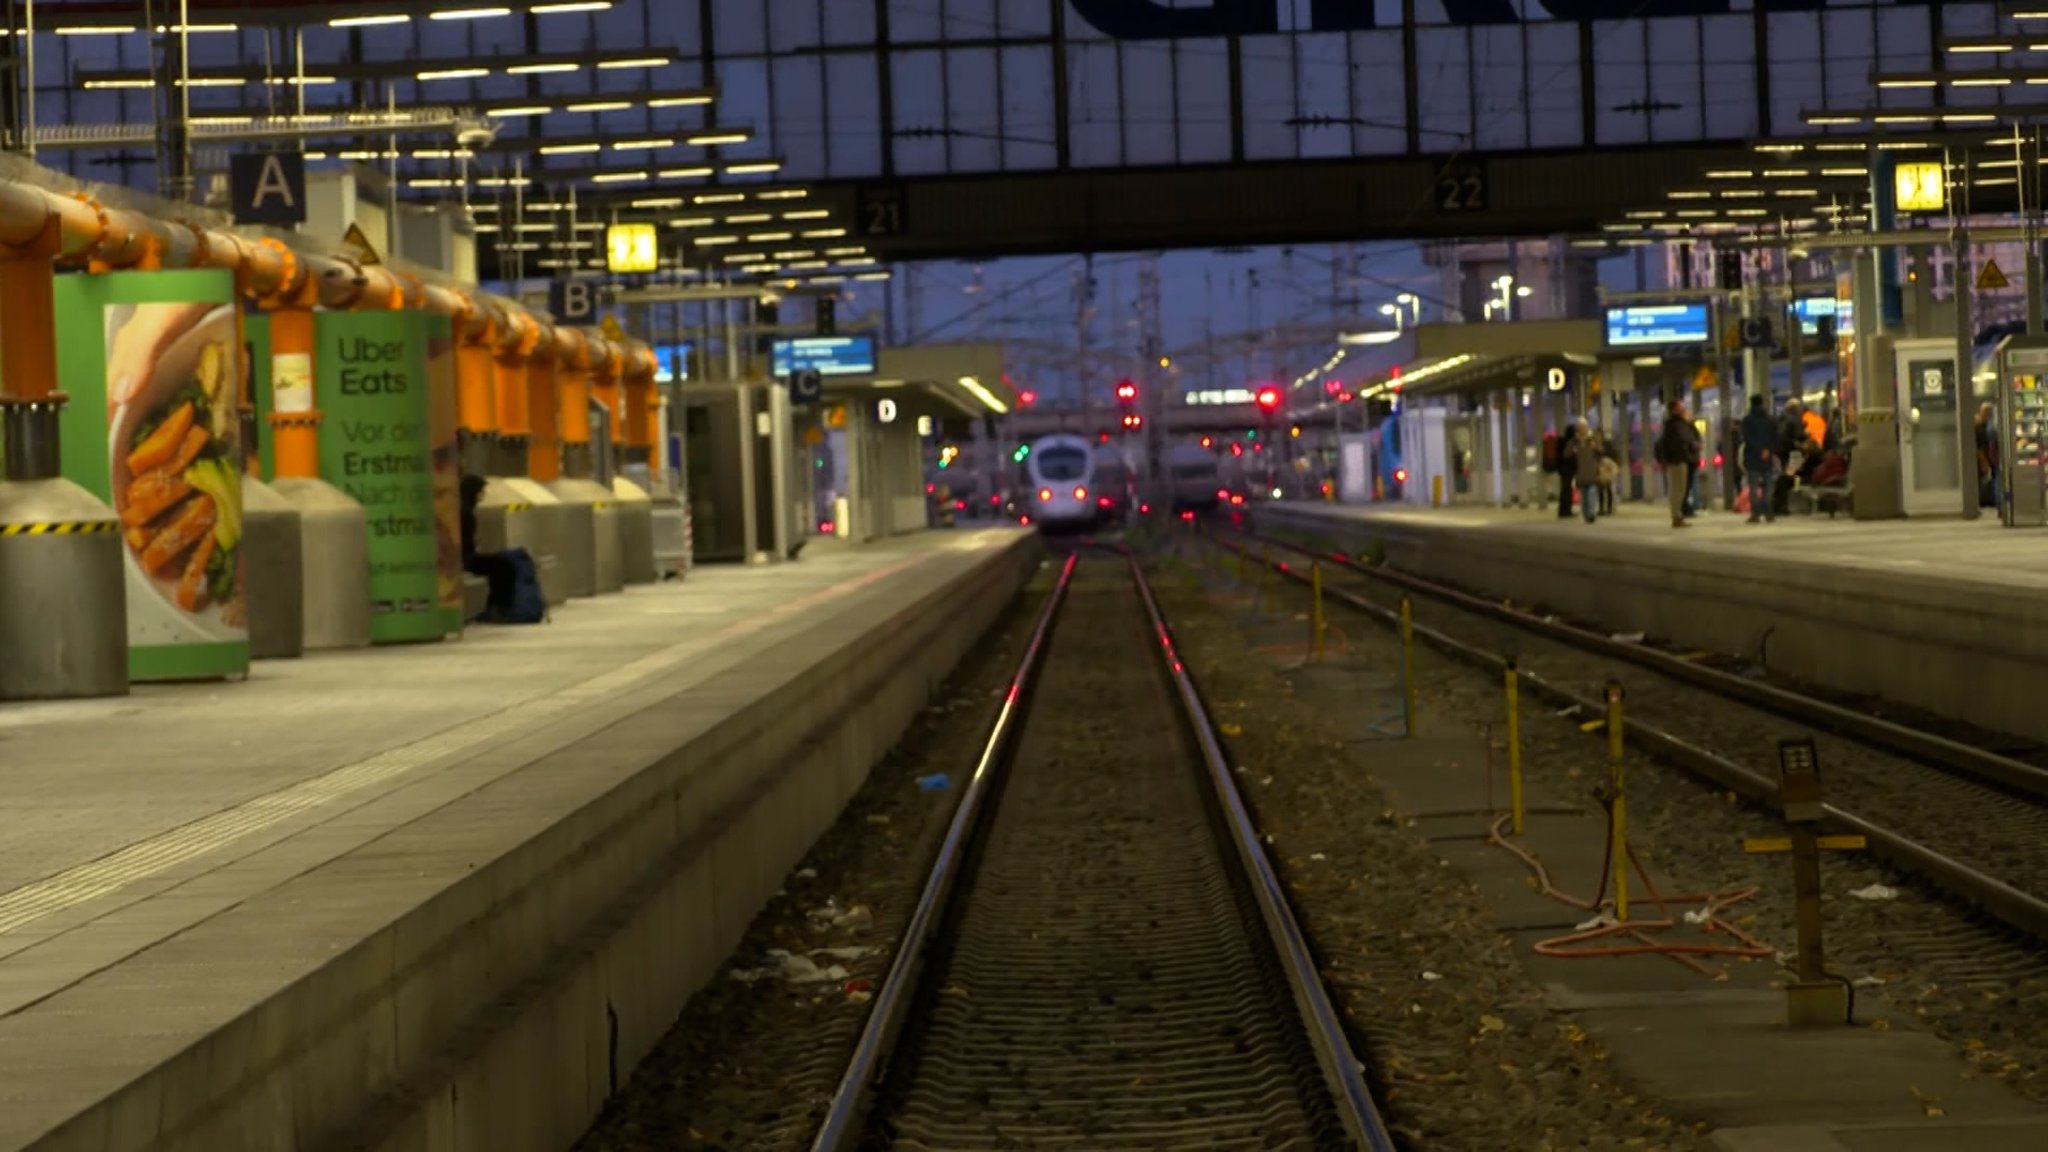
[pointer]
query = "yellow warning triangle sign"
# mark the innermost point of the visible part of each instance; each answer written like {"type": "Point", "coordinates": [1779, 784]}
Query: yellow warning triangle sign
{"type": "Point", "coordinates": [359, 246]}
{"type": "Point", "coordinates": [610, 327]}
{"type": "Point", "coordinates": [1991, 279]}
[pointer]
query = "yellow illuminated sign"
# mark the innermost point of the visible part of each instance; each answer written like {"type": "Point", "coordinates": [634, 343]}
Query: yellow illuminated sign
{"type": "Point", "coordinates": [1921, 187]}
{"type": "Point", "coordinates": [631, 248]}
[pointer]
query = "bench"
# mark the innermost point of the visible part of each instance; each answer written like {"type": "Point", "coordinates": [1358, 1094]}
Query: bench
{"type": "Point", "coordinates": [476, 596]}
{"type": "Point", "coordinates": [1833, 500]}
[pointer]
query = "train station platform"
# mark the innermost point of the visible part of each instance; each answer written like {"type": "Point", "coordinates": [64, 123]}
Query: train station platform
{"type": "Point", "coordinates": [442, 896]}
{"type": "Point", "coordinates": [1945, 615]}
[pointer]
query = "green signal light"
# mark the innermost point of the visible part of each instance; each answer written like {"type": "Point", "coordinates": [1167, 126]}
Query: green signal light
{"type": "Point", "coordinates": [1251, 434]}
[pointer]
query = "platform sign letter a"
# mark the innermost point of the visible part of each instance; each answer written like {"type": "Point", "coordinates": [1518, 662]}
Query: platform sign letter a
{"type": "Point", "coordinates": [268, 187]}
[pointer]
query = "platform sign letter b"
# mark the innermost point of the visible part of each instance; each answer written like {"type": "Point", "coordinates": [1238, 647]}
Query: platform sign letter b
{"type": "Point", "coordinates": [574, 301]}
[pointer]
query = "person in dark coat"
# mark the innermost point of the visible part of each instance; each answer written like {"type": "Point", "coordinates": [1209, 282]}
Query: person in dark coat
{"type": "Point", "coordinates": [493, 567]}
{"type": "Point", "coordinates": [1567, 469]}
{"type": "Point", "coordinates": [1760, 459]}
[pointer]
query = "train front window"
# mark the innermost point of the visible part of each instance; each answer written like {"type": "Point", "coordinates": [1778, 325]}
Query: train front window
{"type": "Point", "coordinates": [1062, 464]}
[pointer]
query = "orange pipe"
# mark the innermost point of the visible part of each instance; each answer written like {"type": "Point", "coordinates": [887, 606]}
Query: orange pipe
{"type": "Point", "coordinates": [641, 396]}
{"type": "Point", "coordinates": [572, 362]}
{"type": "Point", "coordinates": [512, 368]}
{"type": "Point", "coordinates": [544, 446]}
{"type": "Point", "coordinates": [605, 374]}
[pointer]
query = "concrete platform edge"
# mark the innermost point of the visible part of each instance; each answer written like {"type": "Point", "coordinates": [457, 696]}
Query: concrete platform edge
{"type": "Point", "coordinates": [501, 1012]}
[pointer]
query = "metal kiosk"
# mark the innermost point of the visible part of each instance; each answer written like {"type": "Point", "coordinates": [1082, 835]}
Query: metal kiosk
{"type": "Point", "coordinates": [2022, 364]}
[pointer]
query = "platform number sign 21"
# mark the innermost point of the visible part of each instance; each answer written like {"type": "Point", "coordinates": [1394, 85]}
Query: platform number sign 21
{"type": "Point", "coordinates": [1462, 188]}
{"type": "Point", "coordinates": [881, 212]}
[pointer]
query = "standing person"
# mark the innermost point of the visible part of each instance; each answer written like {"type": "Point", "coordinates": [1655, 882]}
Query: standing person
{"type": "Point", "coordinates": [1610, 473]}
{"type": "Point", "coordinates": [1678, 452]}
{"type": "Point", "coordinates": [1591, 454]}
{"type": "Point", "coordinates": [1791, 434]}
{"type": "Point", "coordinates": [1987, 459]}
{"type": "Point", "coordinates": [1760, 459]}
{"type": "Point", "coordinates": [1567, 469]}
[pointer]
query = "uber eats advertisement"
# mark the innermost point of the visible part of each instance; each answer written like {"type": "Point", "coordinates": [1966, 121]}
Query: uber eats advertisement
{"type": "Point", "coordinates": [374, 397]}
{"type": "Point", "coordinates": [151, 364]}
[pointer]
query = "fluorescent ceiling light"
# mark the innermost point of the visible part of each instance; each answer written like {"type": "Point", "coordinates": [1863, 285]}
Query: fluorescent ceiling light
{"type": "Point", "coordinates": [1906, 82]}
{"type": "Point", "coordinates": [716, 241]}
{"type": "Point", "coordinates": [754, 168]}
{"type": "Point", "coordinates": [534, 228]}
{"type": "Point", "coordinates": [571, 6]}
{"type": "Point", "coordinates": [619, 177]}
{"type": "Point", "coordinates": [808, 214]}
{"type": "Point", "coordinates": [1826, 119]}
{"type": "Point", "coordinates": [1731, 174]}
{"type": "Point", "coordinates": [298, 81]}
{"type": "Point", "coordinates": [751, 218]}
{"type": "Point", "coordinates": [601, 106]}
{"type": "Point", "coordinates": [783, 194]}
{"type": "Point", "coordinates": [98, 30]}
{"type": "Point", "coordinates": [567, 149]}
{"type": "Point", "coordinates": [469, 14]}
{"type": "Point", "coordinates": [1980, 82]}
{"type": "Point", "coordinates": [454, 74]}
{"type": "Point", "coordinates": [522, 110]}
{"type": "Point", "coordinates": [635, 62]}
{"type": "Point", "coordinates": [660, 202]}
{"type": "Point", "coordinates": [809, 266]}
{"type": "Point", "coordinates": [483, 229]}
{"type": "Point", "coordinates": [212, 82]}
{"type": "Point", "coordinates": [846, 251]}
{"type": "Point", "coordinates": [432, 183]}
{"type": "Point", "coordinates": [643, 145]}
{"type": "Point", "coordinates": [684, 173]}
{"type": "Point", "coordinates": [693, 222]}
{"type": "Point", "coordinates": [540, 69]}
{"type": "Point", "coordinates": [678, 101]}
{"type": "Point", "coordinates": [94, 85]}
{"type": "Point", "coordinates": [872, 276]}
{"type": "Point", "coordinates": [983, 394]}
{"type": "Point", "coordinates": [367, 21]}
{"type": "Point", "coordinates": [797, 254]}
{"type": "Point", "coordinates": [711, 139]}
{"type": "Point", "coordinates": [768, 237]}
{"type": "Point", "coordinates": [825, 234]}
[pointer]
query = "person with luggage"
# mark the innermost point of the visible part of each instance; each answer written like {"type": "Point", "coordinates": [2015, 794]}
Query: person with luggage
{"type": "Point", "coordinates": [515, 596]}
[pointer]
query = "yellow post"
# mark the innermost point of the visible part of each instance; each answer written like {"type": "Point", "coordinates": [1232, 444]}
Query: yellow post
{"type": "Point", "coordinates": [1408, 664]}
{"type": "Point", "coordinates": [1614, 782]}
{"type": "Point", "coordinates": [1315, 580]}
{"type": "Point", "coordinates": [1515, 746]}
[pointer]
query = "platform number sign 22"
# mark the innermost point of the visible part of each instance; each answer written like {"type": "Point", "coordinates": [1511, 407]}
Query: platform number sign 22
{"type": "Point", "coordinates": [1461, 188]}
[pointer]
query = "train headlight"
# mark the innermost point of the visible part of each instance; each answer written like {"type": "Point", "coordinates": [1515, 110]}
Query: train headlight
{"type": "Point", "coordinates": [1045, 495]}
{"type": "Point", "coordinates": [1080, 493]}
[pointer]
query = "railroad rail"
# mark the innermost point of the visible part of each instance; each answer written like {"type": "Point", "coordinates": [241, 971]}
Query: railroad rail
{"type": "Point", "coordinates": [1971, 821]}
{"type": "Point", "coordinates": [1102, 956]}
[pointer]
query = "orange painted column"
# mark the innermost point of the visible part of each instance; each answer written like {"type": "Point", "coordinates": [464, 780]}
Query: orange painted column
{"type": "Point", "coordinates": [605, 385]}
{"type": "Point", "coordinates": [294, 420]}
{"type": "Point", "coordinates": [28, 356]}
{"type": "Point", "coordinates": [543, 386]}
{"type": "Point", "coordinates": [641, 399]}
{"type": "Point", "coordinates": [510, 368]}
{"type": "Point", "coordinates": [572, 360]}
{"type": "Point", "coordinates": [476, 385]}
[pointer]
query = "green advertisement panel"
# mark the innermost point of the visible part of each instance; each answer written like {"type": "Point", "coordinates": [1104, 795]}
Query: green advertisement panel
{"type": "Point", "coordinates": [372, 391]}
{"type": "Point", "coordinates": [152, 367]}
{"type": "Point", "coordinates": [442, 420]}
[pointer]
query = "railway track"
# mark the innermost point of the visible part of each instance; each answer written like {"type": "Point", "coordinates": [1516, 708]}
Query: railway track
{"type": "Point", "coordinates": [1102, 956]}
{"type": "Point", "coordinates": [1970, 820]}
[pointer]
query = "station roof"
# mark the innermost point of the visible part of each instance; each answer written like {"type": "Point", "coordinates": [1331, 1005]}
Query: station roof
{"type": "Point", "coordinates": [960, 379]}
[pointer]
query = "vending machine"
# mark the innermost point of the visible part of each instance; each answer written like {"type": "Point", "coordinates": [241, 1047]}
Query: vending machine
{"type": "Point", "coordinates": [2022, 466]}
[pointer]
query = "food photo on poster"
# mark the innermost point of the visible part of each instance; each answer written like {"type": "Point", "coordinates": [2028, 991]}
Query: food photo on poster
{"type": "Point", "coordinates": [174, 457]}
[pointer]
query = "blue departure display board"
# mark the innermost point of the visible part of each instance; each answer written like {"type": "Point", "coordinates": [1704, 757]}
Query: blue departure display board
{"type": "Point", "coordinates": [825, 355]}
{"type": "Point", "coordinates": [1658, 325]}
{"type": "Point", "coordinates": [1810, 309]}
{"type": "Point", "coordinates": [672, 363]}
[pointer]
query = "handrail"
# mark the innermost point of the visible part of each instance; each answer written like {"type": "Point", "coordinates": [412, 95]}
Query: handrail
{"type": "Point", "coordinates": [841, 1127]}
{"type": "Point", "coordinates": [1360, 1115]}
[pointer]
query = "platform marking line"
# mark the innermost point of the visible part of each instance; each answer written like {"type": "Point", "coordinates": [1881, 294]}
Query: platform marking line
{"type": "Point", "coordinates": [167, 850]}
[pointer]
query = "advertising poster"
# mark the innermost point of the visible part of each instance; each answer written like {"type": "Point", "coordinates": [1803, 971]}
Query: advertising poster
{"type": "Point", "coordinates": [151, 363]}
{"type": "Point", "coordinates": [372, 391]}
{"type": "Point", "coordinates": [443, 419]}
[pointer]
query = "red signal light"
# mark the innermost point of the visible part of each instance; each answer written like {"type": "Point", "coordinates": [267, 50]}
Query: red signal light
{"type": "Point", "coordinates": [1126, 391]}
{"type": "Point", "coordinates": [1102, 438]}
{"type": "Point", "coordinates": [1268, 398]}
{"type": "Point", "coordinates": [1208, 442]}
{"type": "Point", "coordinates": [1401, 475]}
{"type": "Point", "coordinates": [1237, 449]}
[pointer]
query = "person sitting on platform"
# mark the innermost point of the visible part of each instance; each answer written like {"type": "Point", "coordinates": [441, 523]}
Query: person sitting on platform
{"type": "Point", "coordinates": [494, 567]}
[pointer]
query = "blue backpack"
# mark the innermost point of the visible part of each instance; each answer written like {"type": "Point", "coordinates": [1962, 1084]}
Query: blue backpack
{"type": "Point", "coordinates": [528, 605]}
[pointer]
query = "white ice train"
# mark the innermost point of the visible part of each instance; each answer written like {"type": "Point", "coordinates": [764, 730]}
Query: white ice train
{"type": "Point", "coordinates": [1197, 484]}
{"type": "Point", "coordinates": [1060, 473]}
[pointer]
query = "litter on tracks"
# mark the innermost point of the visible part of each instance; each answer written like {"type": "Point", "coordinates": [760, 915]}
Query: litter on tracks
{"type": "Point", "coordinates": [1876, 892]}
